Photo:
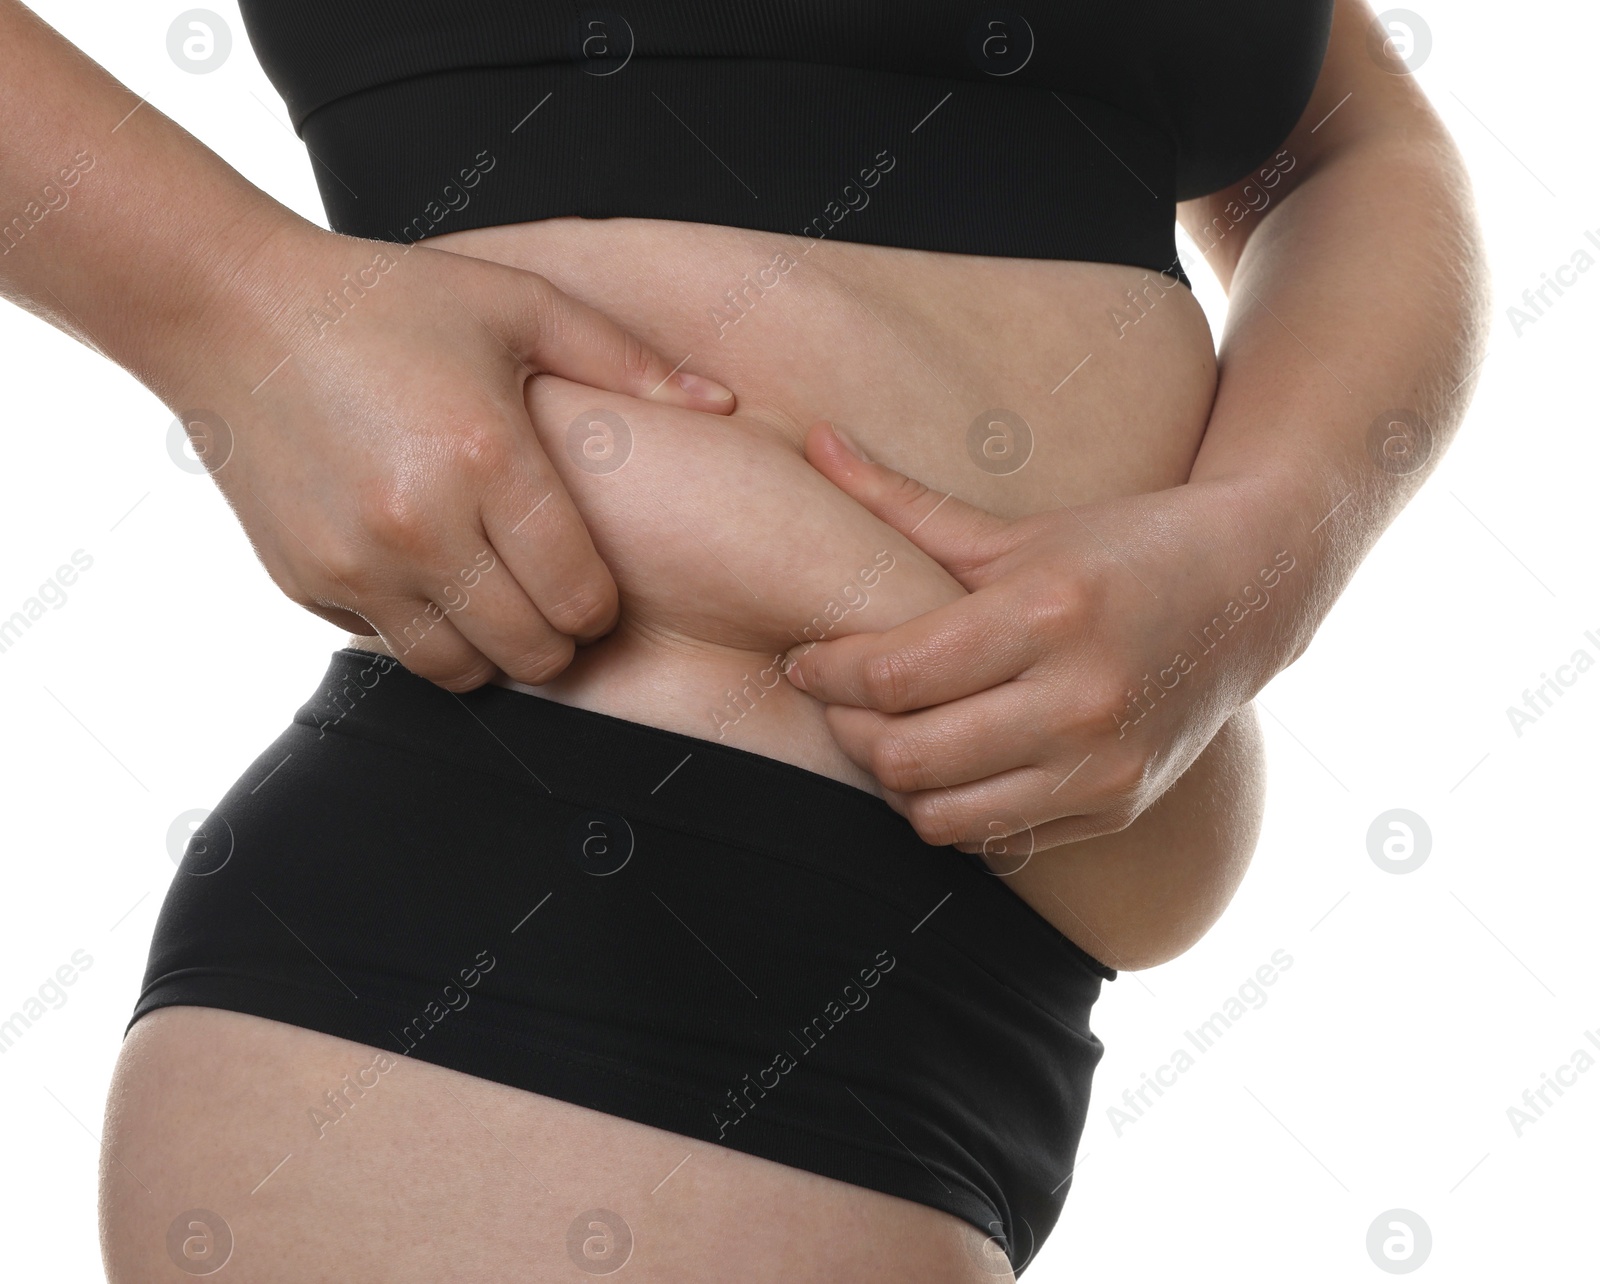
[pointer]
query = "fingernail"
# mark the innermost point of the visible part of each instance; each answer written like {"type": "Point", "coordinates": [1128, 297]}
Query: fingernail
{"type": "Point", "coordinates": [704, 389]}
{"type": "Point", "coordinates": [795, 676]}
{"type": "Point", "coordinates": [849, 443]}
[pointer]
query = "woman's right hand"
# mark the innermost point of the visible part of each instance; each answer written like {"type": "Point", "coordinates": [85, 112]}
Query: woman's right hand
{"type": "Point", "coordinates": [374, 440]}
{"type": "Point", "coordinates": [360, 403]}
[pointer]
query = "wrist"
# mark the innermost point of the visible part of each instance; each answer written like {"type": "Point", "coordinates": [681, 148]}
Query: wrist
{"type": "Point", "coordinates": [1271, 561]}
{"type": "Point", "coordinates": [232, 318]}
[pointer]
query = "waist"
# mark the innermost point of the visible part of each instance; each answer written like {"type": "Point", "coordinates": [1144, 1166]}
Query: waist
{"type": "Point", "coordinates": [1014, 384]}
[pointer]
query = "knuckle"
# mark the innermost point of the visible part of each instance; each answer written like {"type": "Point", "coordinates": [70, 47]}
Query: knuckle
{"type": "Point", "coordinates": [908, 487]}
{"type": "Point", "coordinates": [542, 664]}
{"type": "Point", "coordinates": [903, 491]}
{"type": "Point", "coordinates": [1121, 784]}
{"type": "Point", "coordinates": [306, 601]}
{"type": "Point", "coordinates": [479, 449]}
{"type": "Point", "coordinates": [1057, 606]}
{"type": "Point", "coordinates": [1114, 819]}
{"type": "Point", "coordinates": [394, 515]}
{"type": "Point", "coordinates": [539, 296]}
{"type": "Point", "coordinates": [585, 610]}
{"type": "Point", "coordinates": [1107, 707]}
{"type": "Point", "coordinates": [895, 764]}
{"type": "Point", "coordinates": [536, 285]}
{"type": "Point", "coordinates": [935, 819]}
{"type": "Point", "coordinates": [886, 681]}
{"type": "Point", "coordinates": [637, 357]}
{"type": "Point", "coordinates": [460, 677]}
{"type": "Point", "coordinates": [288, 582]}
{"type": "Point", "coordinates": [350, 567]}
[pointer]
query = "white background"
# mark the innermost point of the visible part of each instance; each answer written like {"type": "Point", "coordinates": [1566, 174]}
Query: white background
{"type": "Point", "coordinates": [1418, 1008]}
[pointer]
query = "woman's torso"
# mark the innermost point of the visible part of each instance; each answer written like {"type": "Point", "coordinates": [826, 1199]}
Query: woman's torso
{"type": "Point", "coordinates": [1017, 385]}
{"type": "Point", "coordinates": [728, 548]}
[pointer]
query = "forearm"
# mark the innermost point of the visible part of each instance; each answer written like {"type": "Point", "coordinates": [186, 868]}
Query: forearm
{"type": "Point", "coordinates": [1357, 319]}
{"type": "Point", "coordinates": [119, 227]}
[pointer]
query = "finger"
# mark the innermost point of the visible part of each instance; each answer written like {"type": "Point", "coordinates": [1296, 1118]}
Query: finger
{"type": "Point", "coordinates": [959, 536]}
{"type": "Point", "coordinates": [1066, 829]}
{"type": "Point", "coordinates": [545, 547]}
{"type": "Point", "coordinates": [1025, 801]}
{"type": "Point", "coordinates": [420, 634]}
{"type": "Point", "coordinates": [551, 331]}
{"type": "Point", "coordinates": [340, 617]}
{"type": "Point", "coordinates": [950, 744]}
{"type": "Point", "coordinates": [330, 599]}
{"type": "Point", "coordinates": [949, 652]}
{"type": "Point", "coordinates": [493, 613]}
{"type": "Point", "coordinates": [985, 814]}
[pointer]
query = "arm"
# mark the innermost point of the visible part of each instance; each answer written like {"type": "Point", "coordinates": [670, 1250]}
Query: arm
{"type": "Point", "coordinates": [1357, 290]}
{"type": "Point", "coordinates": [120, 228]}
{"type": "Point", "coordinates": [387, 463]}
{"type": "Point", "coordinates": [1076, 684]}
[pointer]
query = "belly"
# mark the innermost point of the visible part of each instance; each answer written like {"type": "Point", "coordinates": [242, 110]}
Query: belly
{"type": "Point", "coordinates": [1015, 384]}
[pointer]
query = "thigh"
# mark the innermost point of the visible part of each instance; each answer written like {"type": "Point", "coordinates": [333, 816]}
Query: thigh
{"type": "Point", "coordinates": [326, 1160]}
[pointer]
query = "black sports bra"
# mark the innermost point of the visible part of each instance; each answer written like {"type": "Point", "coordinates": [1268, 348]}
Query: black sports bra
{"type": "Point", "coordinates": [1060, 131]}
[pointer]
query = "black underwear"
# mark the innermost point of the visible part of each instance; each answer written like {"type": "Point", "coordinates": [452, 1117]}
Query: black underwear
{"type": "Point", "coordinates": [648, 924]}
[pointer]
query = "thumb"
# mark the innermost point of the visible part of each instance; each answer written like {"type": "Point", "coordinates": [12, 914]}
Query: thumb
{"type": "Point", "coordinates": [960, 537]}
{"type": "Point", "coordinates": [550, 331]}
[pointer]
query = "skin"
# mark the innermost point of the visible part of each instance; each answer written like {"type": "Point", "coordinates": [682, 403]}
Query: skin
{"type": "Point", "coordinates": [354, 454]}
{"type": "Point", "coordinates": [435, 422]}
{"type": "Point", "coordinates": [726, 543]}
{"type": "Point", "coordinates": [433, 1175]}
{"type": "Point", "coordinates": [1370, 217]}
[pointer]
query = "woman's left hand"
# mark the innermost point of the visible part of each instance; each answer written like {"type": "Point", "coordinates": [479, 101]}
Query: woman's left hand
{"type": "Point", "coordinates": [1096, 654]}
